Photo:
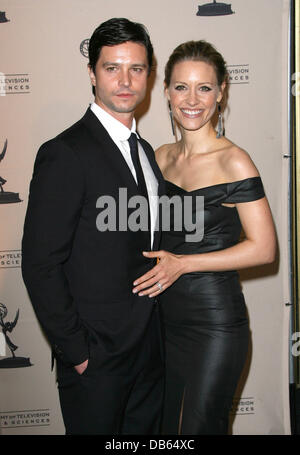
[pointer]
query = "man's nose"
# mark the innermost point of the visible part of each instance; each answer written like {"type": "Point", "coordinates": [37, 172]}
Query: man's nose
{"type": "Point", "coordinates": [125, 78]}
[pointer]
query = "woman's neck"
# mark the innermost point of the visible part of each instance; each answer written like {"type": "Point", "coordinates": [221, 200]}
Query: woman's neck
{"type": "Point", "coordinates": [199, 141]}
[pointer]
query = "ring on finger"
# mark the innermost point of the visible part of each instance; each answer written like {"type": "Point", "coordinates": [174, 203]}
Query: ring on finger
{"type": "Point", "coordinates": [160, 286]}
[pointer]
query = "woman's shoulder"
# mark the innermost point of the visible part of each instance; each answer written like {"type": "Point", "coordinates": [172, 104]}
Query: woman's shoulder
{"type": "Point", "coordinates": [164, 154]}
{"type": "Point", "coordinates": [165, 148]}
{"type": "Point", "coordinates": [237, 163]}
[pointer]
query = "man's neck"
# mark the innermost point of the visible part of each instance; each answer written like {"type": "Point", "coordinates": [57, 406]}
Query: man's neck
{"type": "Point", "coordinates": [125, 118]}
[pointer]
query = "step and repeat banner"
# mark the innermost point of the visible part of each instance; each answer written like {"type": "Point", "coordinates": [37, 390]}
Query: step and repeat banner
{"type": "Point", "coordinates": [44, 88]}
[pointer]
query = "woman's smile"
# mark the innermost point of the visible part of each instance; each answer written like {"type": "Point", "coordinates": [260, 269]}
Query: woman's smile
{"type": "Point", "coordinates": [191, 113]}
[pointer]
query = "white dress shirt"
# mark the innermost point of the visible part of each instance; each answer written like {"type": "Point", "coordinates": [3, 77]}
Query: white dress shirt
{"type": "Point", "coordinates": [120, 135]}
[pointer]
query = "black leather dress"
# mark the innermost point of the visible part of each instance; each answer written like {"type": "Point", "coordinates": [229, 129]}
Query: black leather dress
{"type": "Point", "coordinates": [205, 319]}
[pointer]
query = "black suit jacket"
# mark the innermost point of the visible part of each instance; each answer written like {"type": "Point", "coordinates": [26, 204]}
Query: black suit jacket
{"type": "Point", "coordinates": [79, 279]}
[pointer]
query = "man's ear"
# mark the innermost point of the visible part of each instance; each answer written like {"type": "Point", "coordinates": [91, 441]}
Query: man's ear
{"type": "Point", "coordinates": [92, 75]}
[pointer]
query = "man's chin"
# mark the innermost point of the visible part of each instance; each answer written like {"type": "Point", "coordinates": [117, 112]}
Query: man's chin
{"type": "Point", "coordinates": [121, 109]}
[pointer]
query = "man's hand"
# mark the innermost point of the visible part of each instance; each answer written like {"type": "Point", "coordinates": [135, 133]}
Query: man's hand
{"type": "Point", "coordinates": [81, 367]}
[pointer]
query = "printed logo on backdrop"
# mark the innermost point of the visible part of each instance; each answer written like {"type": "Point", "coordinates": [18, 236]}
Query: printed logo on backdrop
{"type": "Point", "coordinates": [3, 18]}
{"type": "Point", "coordinates": [10, 259]}
{"type": "Point", "coordinates": [239, 74]}
{"type": "Point", "coordinates": [6, 197]}
{"type": "Point", "coordinates": [14, 84]}
{"type": "Point", "coordinates": [84, 47]}
{"type": "Point", "coordinates": [6, 341]}
{"type": "Point", "coordinates": [23, 419]}
{"type": "Point", "coordinates": [214, 9]}
{"type": "Point", "coordinates": [243, 406]}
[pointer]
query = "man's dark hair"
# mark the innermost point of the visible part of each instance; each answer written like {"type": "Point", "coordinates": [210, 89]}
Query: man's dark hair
{"type": "Point", "coordinates": [117, 31]}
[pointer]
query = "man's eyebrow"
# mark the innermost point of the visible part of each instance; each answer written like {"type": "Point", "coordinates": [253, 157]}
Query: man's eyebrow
{"type": "Point", "coordinates": [110, 63]}
{"type": "Point", "coordinates": [105, 64]}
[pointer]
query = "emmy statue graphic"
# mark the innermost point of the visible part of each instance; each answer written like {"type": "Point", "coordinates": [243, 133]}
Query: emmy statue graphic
{"type": "Point", "coordinates": [13, 361]}
{"type": "Point", "coordinates": [3, 18]}
{"type": "Point", "coordinates": [214, 9]}
{"type": "Point", "coordinates": [6, 197]}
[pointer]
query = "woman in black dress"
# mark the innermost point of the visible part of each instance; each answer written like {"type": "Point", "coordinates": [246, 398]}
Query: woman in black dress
{"type": "Point", "coordinates": [203, 308]}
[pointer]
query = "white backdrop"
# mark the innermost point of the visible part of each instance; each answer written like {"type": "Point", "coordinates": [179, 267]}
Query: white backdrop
{"type": "Point", "coordinates": [44, 87]}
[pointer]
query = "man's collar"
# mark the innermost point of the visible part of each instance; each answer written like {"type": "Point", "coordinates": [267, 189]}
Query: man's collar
{"type": "Point", "coordinates": [115, 128]}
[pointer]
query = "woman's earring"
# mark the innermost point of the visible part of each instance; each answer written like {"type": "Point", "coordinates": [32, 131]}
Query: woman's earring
{"type": "Point", "coordinates": [171, 118]}
{"type": "Point", "coordinates": [220, 127]}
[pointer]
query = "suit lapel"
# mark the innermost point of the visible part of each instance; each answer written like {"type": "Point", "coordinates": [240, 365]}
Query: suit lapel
{"type": "Point", "coordinates": [110, 150]}
{"type": "Point", "coordinates": [151, 158]}
{"type": "Point", "coordinates": [161, 186]}
{"type": "Point", "coordinates": [115, 157]}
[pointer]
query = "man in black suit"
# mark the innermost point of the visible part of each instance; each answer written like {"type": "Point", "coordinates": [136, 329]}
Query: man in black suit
{"type": "Point", "coordinates": [78, 268]}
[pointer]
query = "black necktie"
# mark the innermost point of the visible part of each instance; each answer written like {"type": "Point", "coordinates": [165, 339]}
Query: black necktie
{"type": "Point", "coordinates": [138, 169]}
{"type": "Point", "coordinates": [137, 165]}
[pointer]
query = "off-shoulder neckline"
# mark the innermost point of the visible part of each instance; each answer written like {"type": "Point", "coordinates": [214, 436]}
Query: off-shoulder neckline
{"type": "Point", "coordinates": [211, 186]}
